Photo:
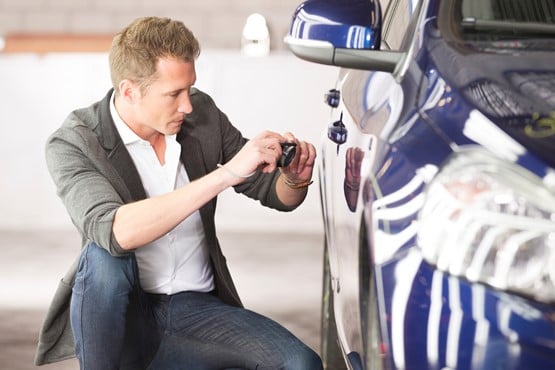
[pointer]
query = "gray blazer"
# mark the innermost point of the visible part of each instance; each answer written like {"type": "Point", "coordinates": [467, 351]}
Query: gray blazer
{"type": "Point", "coordinates": [94, 175]}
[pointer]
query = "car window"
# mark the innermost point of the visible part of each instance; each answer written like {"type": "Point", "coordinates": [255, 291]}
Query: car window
{"type": "Point", "coordinates": [397, 20]}
{"type": "Point", "coordinates": [502, 19]}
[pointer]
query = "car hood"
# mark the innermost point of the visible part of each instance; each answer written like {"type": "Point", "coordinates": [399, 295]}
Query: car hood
{"type": "Point", "coordinates": [512, 83]}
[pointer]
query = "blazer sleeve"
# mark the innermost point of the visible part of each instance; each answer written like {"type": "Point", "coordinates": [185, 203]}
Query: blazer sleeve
{"type": "Point", "coordinates": [212, 120]}
{"type": "Point", "coordinates": [84, 182]}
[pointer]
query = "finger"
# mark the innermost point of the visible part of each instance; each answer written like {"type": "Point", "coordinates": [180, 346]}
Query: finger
{"type": "Point", "coordinates": [261, 152]}
{"type": "Point", "coordinates": [269, 163]}
{"type": "Point", "coordinates": [268, 142]}
{"type": "Point", "coordinates": [270, 135]}
{"type": "Point", "coordinates": [302, 154]}
{"type": "Point", "coordinates": [290, 138]}
{"type": "Point", "coordinates": [311, 155]}
{"type": "Point", "coordinates": [306, 156]}
{"type": "Point", "coordinates": [269, 157]}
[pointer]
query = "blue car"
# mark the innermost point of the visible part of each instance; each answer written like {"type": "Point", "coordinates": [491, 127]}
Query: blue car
{"type": "Point", "coordinates": [437, 175]}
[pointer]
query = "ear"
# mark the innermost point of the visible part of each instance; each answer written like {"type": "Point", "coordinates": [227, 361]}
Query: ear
{"type": "Point", "coordinates": [129, 91]}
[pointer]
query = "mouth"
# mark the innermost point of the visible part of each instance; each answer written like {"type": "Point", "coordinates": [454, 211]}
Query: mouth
{"type": "Point", "coordinates": [178, 122]}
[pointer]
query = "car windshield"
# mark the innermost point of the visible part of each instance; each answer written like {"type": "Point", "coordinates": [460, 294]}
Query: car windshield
{"type": "Point", "coordinates": [507, 19]}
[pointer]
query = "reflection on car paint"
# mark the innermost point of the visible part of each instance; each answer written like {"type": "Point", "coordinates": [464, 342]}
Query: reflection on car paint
{"type": "Point", "coordinates": [480, 130]}
{"type": "Point", "coordinates": [391, 208]}
{"type": "Point", "coordinates": [397, 206]}
{"type": "Point", "coordinates": [351, 184]}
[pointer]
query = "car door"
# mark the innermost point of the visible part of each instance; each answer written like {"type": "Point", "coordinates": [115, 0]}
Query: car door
{"type": "Point", "coordinates": [369, 107]}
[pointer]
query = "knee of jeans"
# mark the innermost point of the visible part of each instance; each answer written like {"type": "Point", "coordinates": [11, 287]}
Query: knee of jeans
{"type": "Point", "coordinates": [305, 360]}
{"type": "Point", "coordinates": [106, 272]}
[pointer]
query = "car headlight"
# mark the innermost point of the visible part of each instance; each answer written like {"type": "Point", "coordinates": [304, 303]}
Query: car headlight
{"type": "Point", "coordinates": [493, 222]}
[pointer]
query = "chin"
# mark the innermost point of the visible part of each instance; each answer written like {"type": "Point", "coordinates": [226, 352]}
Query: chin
{"type": "Point", "coordinates": [173, 128]}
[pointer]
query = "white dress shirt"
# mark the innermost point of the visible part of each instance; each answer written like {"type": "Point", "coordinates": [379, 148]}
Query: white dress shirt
{"type": "Point", "coordinates": [178, 261]}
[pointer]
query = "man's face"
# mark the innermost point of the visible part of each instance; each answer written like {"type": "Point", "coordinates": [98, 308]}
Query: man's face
{"type": "Point", "coordinates": [164, 104]}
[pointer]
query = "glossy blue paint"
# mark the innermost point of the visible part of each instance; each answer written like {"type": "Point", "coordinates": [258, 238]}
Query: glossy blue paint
{"type": "Point", "coordinates": [452, 93]}
{"type": "Point", "coordinates": [343, 23]}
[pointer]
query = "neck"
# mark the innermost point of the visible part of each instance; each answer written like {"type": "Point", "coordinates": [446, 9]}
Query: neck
{"type": "Point", "coordinates": [128, 117]}
{"type": "Point", "coordinates": [156, 139]}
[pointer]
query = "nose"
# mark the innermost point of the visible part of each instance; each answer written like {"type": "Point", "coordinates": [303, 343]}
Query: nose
{"type": "Point", "coordinates": [185, 106]}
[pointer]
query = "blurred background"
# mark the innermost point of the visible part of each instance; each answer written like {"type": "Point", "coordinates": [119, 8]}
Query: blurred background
{"type": "Point", "coordinates": [53, 59]}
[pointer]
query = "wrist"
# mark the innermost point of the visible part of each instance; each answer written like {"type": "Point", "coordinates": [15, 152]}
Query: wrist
{"type": "Point", "coordinates": [234, 174]}
{"type": "Point", "coordinates": [296, 184]}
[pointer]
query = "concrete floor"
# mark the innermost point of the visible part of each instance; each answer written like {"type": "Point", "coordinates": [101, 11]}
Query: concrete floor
{"type": "Point", "coordinates": [277, 275]}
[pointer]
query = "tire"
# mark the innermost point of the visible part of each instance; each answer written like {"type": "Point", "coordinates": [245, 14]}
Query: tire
{"type": "Point", "coordinates": [332, 356]}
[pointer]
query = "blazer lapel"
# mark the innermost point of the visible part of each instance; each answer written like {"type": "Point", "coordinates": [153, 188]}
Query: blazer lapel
{"type": "Point", "coordinates": [193, 160]}
{"type": "Point", "coordinates": [117, 153]}
{"type": "Point", "coordinates": [191, 156]}
{"type": "Point", "coordinates": [124, 166]}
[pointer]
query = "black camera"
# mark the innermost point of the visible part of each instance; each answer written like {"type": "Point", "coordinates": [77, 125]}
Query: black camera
{"type": "Point", "coordinates": [288, 151]}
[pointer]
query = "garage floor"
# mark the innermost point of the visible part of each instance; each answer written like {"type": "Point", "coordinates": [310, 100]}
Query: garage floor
{"type": "Point", "coordinates": [277, 275]}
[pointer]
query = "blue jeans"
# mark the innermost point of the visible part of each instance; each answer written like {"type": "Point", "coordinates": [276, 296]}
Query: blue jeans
{"type": "Point", "coordinates": [116, 325]}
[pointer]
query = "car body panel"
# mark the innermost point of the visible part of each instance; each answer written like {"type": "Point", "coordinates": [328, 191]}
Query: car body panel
{"type": "Point", "coordinates": [390, 134]}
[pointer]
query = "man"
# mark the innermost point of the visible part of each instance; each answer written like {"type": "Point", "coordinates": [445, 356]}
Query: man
{"type": "Point", "coordinates": [139, 172]}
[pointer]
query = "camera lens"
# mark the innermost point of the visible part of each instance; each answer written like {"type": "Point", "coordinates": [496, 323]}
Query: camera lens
{"type": "Point", "coordinates": [288, 151]}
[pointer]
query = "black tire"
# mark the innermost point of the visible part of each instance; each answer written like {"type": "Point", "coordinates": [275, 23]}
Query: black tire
{"type": "Point", "coordinates": [331, 353]}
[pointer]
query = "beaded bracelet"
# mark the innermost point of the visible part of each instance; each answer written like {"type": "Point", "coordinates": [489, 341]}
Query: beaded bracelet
{"type": "Point", "coordinates": [294, 185]}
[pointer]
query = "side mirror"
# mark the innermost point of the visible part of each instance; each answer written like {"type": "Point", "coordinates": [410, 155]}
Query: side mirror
{"type": "Point", "coordinates": [344, 33]}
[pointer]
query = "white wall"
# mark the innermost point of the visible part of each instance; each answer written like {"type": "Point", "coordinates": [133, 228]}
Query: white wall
{"type": "Point", "coordinates": [278, 92]}
{"type": "Point", "coordinates": [216, 23]}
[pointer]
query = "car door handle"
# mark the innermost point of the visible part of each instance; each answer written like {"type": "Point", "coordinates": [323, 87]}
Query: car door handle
{"type": "Point", "coordinates": [337, 132]}
{"type": "Point", "coordinates": [332, 98]}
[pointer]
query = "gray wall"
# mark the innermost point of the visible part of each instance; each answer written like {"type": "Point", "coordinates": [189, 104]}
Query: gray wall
{"type": "Point", "coordinates": [216, 23]}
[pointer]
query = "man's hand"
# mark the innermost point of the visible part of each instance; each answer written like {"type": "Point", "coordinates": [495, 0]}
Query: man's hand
{"type": "Point", "coordinates": [259, 153]}
{"type": "Point", "coordinates": [262, 153]}
{"type": "Point", "coordinates": [301, 168]}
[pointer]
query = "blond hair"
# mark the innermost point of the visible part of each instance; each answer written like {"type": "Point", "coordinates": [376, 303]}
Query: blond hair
{"type": "Point", "coordinates": [137, 48]}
